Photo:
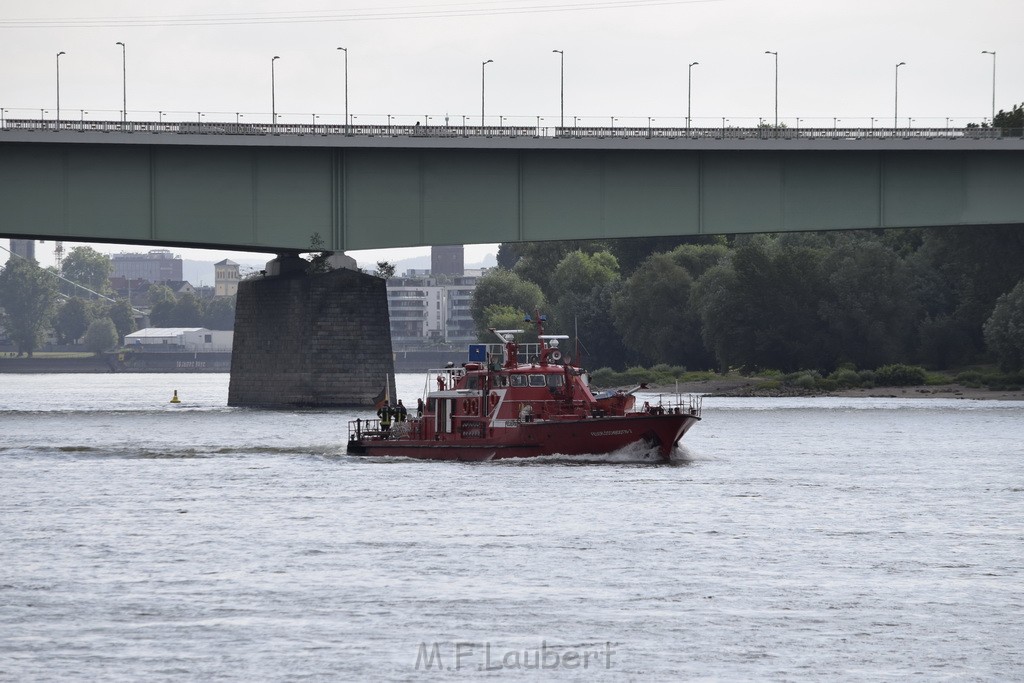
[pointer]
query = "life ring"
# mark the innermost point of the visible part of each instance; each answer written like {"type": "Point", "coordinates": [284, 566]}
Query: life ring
{"type": "Point", "coordinates": [473, 405]}
{"type": "Point", "coordinates": [465, 406]}
{"type": "Point", "coordinates": [494, 400]}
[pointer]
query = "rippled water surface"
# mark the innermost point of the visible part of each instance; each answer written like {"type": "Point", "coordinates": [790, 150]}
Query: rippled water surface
{"type": "Point", "coordinates": [793, 539]}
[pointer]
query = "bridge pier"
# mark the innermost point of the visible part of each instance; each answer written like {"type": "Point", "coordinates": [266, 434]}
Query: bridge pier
{"type": "Point", "coordinates": [310, 340]}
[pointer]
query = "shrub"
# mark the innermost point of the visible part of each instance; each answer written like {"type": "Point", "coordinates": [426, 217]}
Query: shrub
{"type": "Point", "coordinates": [934, 379]}
{"type": "Point", "coordinates": [770, 385]}
{"type": "Point", "coordinates": [899, 375]}
{"type": "Point", "coordinates": [806, 381]}
{"type": "Point", "coordinates": [846, 378]}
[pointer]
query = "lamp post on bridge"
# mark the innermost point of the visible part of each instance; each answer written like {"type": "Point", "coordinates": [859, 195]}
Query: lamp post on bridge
{"type": "Point", "coordinates": [896, 105]}
{"type": "Point", "coordinates": [689, 80]}
{"type": "Point", "coordinates": [345, 50]}
{"type": "Point", "coordinates": [993, 53]}
{"type": "Point", "coordinates": [273, 94]}
{"type": "Point", "coordinates": [561, 55]}
{"type": "Point", "coordinates": [776, 54]}
{"type": "Point", "coordinates": [483, 92]}
{"type": "Point", "coordinates": [58, 87]}
{"type": "Point", "coordinates": [124, 83]}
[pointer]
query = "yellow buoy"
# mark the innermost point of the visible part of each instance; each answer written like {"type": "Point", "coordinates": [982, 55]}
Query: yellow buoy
{"type": "Point", "coordinates": [175, 399]}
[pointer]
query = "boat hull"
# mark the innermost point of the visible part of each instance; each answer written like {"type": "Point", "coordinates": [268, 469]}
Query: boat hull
{"type": "Point", "coordinates": [582, 437]}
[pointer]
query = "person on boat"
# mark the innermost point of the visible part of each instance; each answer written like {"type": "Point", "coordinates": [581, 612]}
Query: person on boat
{"type": "Point", "coordinates": [440, 383]}
{"type": "Point", "coordinates": [400, 412]}
{"type": "Point", "coordinates": [419, 407]}
{"type": "Point", "coordinates": [384, 413]}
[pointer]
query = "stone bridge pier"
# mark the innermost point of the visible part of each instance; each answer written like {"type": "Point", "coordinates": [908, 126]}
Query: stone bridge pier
{"type": "Point", "coordinates": [310, 340]}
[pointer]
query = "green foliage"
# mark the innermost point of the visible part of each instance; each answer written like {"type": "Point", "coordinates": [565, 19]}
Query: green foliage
{"type": "Point", "coordinates": [318, 260]}
{"type": "Point", "coordinates": [87, 267]}
{"type": "Point", "coordinates": [501, 287]}
{"type": "Point", "coordinates": [1004, 330]}
{"type": "Point", "coordinates": [28, 295]}
{"type": "Point", "coordinates": [653, 314]}
{"type": "Point", "coordinates": [900, 375]}
{"type": "Point", "coordinates": [385, 270]}
{"type": "Point", "coordinates": [1013, 119]}
{"type": "Point", "coordinates": [101, 335]}
{"type": "Point", "coordinates": [71, 320]}
{"type": "Point", "coordinates": [664, 375]}
{"type": "Point", "coordinates": [187, 312]}
{"type": "Point", "coordinates": [806, 381]}
{"type": "Point", "coordinates": [123, 317]}
{"type": "Point", "coordinates": [501, 317]}
{"type": "Point", "coordinates": [845, 378]}
{"type": "Point", "coordinates": [219, 314]}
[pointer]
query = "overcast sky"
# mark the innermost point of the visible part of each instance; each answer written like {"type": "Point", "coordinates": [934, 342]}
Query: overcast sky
{"type": "Point", "coordinates": [419, 58]}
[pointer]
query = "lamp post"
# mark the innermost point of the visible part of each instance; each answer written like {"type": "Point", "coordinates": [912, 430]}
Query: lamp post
{"type": "Point", "coordinates": [124, 83]}
{"type": "Point", "coordinates": [273, 94]}
{"type": "Point", "coordinates": [58, 87]}
{"type": "Point", "coordinates": [483, 92]}
{"type": "Point", "coordinates": [561, 55]}
{"type": "Point", "coordinates": [896, 101]}
{"type": "Point", "coordinates": [689, 80]}
{"type": "Point", "coordinates": [993, 53]}
{"type": "Point", "coordinates": [345, 50]}
{"type": "Point", "coordinates": [776, 54]}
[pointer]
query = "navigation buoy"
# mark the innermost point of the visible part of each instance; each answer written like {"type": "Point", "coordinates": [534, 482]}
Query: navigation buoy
{"type": "Point", "coordinates": [175, 399]}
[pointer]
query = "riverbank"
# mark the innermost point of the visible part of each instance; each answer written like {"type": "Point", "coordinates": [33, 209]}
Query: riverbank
{"type": "Point", "coordinates": [755, 388]}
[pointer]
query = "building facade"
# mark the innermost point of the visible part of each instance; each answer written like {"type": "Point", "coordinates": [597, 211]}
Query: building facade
{"type": "Point", "coordinates": [428, 311]}
{"type": "Point", "coordinates": [447, 260]}
{"type": "Point", "coordinates": [158, 265]}
{"type": "Point", "coordinates": [225, 278]}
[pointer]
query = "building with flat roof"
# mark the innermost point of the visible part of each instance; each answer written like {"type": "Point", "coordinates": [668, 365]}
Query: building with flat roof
{"type": "Point", "coordinates": [447, 260]}
{"type": "Point", "coordinates": [158, 265]}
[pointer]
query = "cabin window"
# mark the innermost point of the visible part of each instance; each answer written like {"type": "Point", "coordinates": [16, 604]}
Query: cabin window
{"type": "Point", "coordinates": [518, 380]}
{"type": "Point", "coordinates": [430, 405]}
{"type": "Point", "coordinates": [537, 380]}
{"type": "Point", "coordinates": [501, 381]}
{"type": "Point", "coordinates": [555, 381]}
{"type": "Point", "coordinates": [473, 382]}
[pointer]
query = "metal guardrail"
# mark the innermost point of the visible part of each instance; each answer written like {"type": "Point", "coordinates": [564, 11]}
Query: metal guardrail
{"type": "Point", "coordinates": [467, 131]}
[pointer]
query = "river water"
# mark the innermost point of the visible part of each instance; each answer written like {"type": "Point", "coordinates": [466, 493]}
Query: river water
{"type": "Point", "coordinates": [792, 539]}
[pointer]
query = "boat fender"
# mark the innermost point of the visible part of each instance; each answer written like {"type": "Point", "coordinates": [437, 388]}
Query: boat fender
{"type": "Point", "coordinates": [473, 406]}
{"type": "Point", "coordinates": [465, 405]}
{"type": "Point", "coordinates": [494, 400]}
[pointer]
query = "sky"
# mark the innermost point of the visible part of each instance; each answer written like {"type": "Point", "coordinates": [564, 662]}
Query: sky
{"type": "Point", "coordinates": [414, 59]}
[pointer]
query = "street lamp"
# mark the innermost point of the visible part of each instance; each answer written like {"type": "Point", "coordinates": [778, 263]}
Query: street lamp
{"type": "Point", "coordinates": [993, 53]}
{"type": "Point", "coordinates": [345, 50]}
{"type": "Point", "coordinates": [689, 80]}
{"type": "Point", "coordinates": [896, 105]}
{"type": "Point", "coordinates": [483, 92]}
{"type": "Point", "coordinates": [124, 83]}
{"type": "Point", "coordinates": [273, 94]}
{"type": "Point", "coordinates": [769, 52]}
{"type": "Point", "coordinates": [58, 87]}
{"type": "Point", "coordinates": [562, 89]}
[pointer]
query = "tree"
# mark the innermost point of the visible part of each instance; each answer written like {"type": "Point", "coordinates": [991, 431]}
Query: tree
{"type": "Point", "coordinates": [188, 312]}
{"type": "Point", "coordinates": [537, 260]}
{"type": "Point", "coordinates": [385, 270]}
{"type": "Point", "coordinates": [1010, 119]}
{"type": "Point", "coordinates": [501, 317]}
{"type": "Point", "coordinates": [503, 288]}
{"type": "Point", "coordinates": [870, 304]}
{"type": "Point", "coordinates": [101, 335]}
{"type": "Point", "coordinates": [1004, 330]}
{"type": "Point", "coordinates": [71, 320]}
{"type": "Point", "coordinates": [319, 256]}
{"type": "Point", "coordinates": [220, 314]}
{"type": "Point", "coordinates": [162, 302]}
{"type": "Point", "coordinates": [123, 317]}
{"type": "Point", "coordinates": [761, 309]}
{"type": "Point", "coordinates": [653, 314]}
{"type": "Point", "coordinates": [27, 297]}
{"type": "Point", "coordinates": [87, 267]}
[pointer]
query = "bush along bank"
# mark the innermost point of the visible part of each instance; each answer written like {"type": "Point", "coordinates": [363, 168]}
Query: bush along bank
{"type": "Point", "coordinates": [810, 382]}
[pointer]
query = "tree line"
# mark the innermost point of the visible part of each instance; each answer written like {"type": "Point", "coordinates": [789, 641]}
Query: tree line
{"type": "Point", "coordinates": [76, 306]}
{"type": "Point", "coordinates": [939, 297]}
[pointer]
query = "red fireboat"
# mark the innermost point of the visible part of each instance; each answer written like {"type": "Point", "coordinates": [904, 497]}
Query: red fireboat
{"type": "Point", "coordinates": [503, 406]}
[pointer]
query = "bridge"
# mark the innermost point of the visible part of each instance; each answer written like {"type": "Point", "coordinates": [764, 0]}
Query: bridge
{"type": "Point", "coordinates": [268, 187]}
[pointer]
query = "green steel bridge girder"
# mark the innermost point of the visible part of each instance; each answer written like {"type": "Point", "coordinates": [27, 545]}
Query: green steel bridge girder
{"type": "Point", "coordinates": [276, 195]}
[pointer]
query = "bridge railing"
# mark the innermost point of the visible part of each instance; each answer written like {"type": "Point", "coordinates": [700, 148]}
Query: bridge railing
{"type": "Point", "coordinates": [202, 127]}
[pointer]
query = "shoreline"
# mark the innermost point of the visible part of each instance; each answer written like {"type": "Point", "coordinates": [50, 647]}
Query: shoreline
{"type": "Point", "coordinates": [748, 388]}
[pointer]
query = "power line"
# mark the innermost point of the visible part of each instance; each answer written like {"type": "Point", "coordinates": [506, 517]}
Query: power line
{"type": "Point", "coordinates": [436, 11]}
{"type": "Point", "coordinates": [70, 282]}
